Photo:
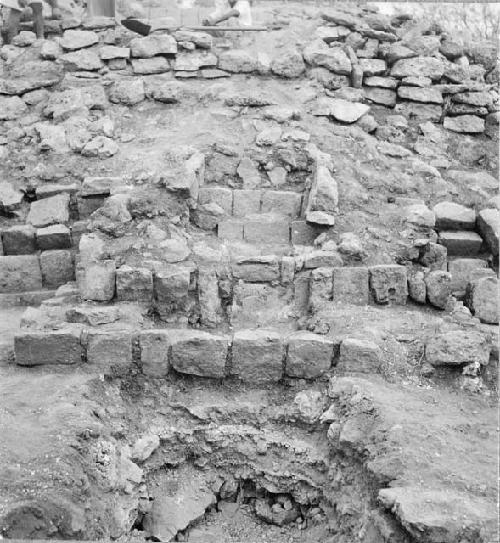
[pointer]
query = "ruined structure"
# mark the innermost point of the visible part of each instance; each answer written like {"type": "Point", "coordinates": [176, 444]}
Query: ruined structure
{"type": "Point", "coordinates": [248, 287]}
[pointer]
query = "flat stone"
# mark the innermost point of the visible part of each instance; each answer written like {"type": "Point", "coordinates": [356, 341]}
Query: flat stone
{"type": "Point", "coordinates": [268, 136]}
{"type": "Point", "coordinates": [284, 203]}
{"type": "Point", "coordinates": [418, 67]}
{"type": "Point", "coordinates": [481, 99]}
{"type": "Point", "coordinates": [58, 268]}
{"type": "Point", "coordinates": [397, 51]}
{"type": "Point", "coordinates": [309, 356]}
{"type": "Point", "coordinates": [420, 215]}
{"type": "Point", "coordinates": [198, 353]}
{"type": "Point", "coordinates": [19, 240]}
{"type": "Point", "coordinates": [322, 259]}
{"type": "Point", "coordinates": [155, 348]}
{"type": "Point", "coordinates": [53, 210]}
{"type": "Point", "coordinates": [112, 52]}
{"type": "Point", "coordinates": [97, 282]}
{"type": "Point", "coordinates": [330, 34]}
{"type": "Point", "coordinates": [48, 347]}
{"type": "Point", "coordinates": [99, 186]}
{"type": "Point", "coordinates": [372, 66]}
{"type": "Point", "coordinates": [167, 92]}
{"type": "Point", "coordinates": [221, 196]}
{"type": "Point", "coordinates": [214, 73]}
{"type": "Point", "coordinates": [82, 60]}
{"type": "Point", "coordinates": [341, 110]}
{"type": "Point", "coordinates": [384, 97]}
{"type": "Point", "coordinates": [203, 40]}
{"type": "Point", "coordinates": [20, 274]}
{"type": "Point", "coordinates": [452, 216]}
{"type": "Point", "coordinates": [288, 64]}
{"type": "Point", "coordinates": [464, 124]}
{"type": "Point", "coordinates": [420, 81]}
{"type": "Point", "coordinates": [422, 112]}
{"type": "Point", "coordinates": [456, 348]}
{"type": "Point", "coordinates": [257, 269]}
{"type": "Point", "coordinates": [489, 225]}
{"type": "Point", "coordinates": [482, 299]}
{"type": "Point", "coordinates": [78, 39]}
{"type": "Point", "coordinates": [230, 230]}
{"type": "Point", "coordinates": [134, 284]}
{"type": "Point", "coordinates": [418, 94]}
{"type": "Point", "coordinates": [53, 189]}
{"type": "Point", "coordinates": [323, 197]}
{"type": "Point", "coordinates": [317, 53]}
{"type": "Point", "coordinates": [389, 284]}
{"type": "Point", "coordinates": [257, 356]}
{"type": "Point", "coordinates": [237, 61]}
{"type": "Point", "coordinates": [249, 173]}
{"type": "Point", "coordinates": [150, 46]}
{"type": "Point", "coordinates": [10, 197]}
{"type": "Point", "coordinates": [148, 66]}
{"type": "Point", "coordinates": [111, 350]}
{"type": "Point", "coordinates": [463, 243]}
{"type": "Point", "coordinates": [438, 284]}
{"type": "Point", "coordinates": [378, 81]}
{"type": "Point", "coordinates": [194, 61]}
{"type": "Point", "coordinates": [267, 230]}
{"type": "Point", "coordinates": [351, 285]}
{"type": "Point", "coordinates": [359, 356]}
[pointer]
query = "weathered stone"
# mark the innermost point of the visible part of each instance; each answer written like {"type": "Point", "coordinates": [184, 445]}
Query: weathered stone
{"type": "Point", "coordinates": [288, 64]}
{"type": "Point", "coordinates": [464, 270]}
{"type": "Point", "coordinates": [482, 99]}
{"type": "Point", "coordinates": [330, 34]}
{"type": "Point", "coordinates": [482, 299]}
{"type": "Point", "coordinates": [25, 38]}
{"type": "Point", "coordinates": [221, 196]}
{"type": "Point", "coordinates": [211, 312]}
{"type": "Point", "coordinates": [420, 215]}
{"type": "Point", "coordinates": [418, 67]}
{"type": "Point", "coordinates": [148, 66]}
{"type": "Point", "coordinates": [267, 230]}
{"type": "Point", "coordinates": [214, 73]}
{"type": "Point", "coordinates": [52, 189]}
{"type": "Point", "coordinates": [438, 285]}
{"type": "Point", "coordinates": [341, 18]}
{"type": "Point", "coordinates": [167, 92]}
{"type": "Point", "coordinates": [383, 82]}
{"type": "Point", "coordinates": [422, 112]}
{"type": "Point", "coordinates": [230, 230]}
{"type": "Point", "coordinates": [110, 350]}
{"type": "Point", "coordinates": [187, 182]}
{"type": "Point", "coordinates": [458, 347]}
{"type": "Point", "coordinates": [368, 50]}
{"type": "Point", "coordinates": [10, 197]}
{"type": "Point", "coordinates": [257, 269]}
{"type": "Point", "coordinates": [97, 282]}
{"type": "Point", "coordinates": [78, 39]}
{"type": "Point", "coordinates": [56, 236]}
{"type": "Point", "coordinates": [389, 284]}
{"type": "Point", "coordinates": [194, 60]}
{"type": "Point", "coordinates": [350, 94]}
{"type": "Point", "coordinates": [237, 61]}
{"type": "Point", "coordinates": [464, 124]}
{"type": "Point", "coordinates": [397, 51]}
{"type": "Point", "coordinates": [350, 285]}
{"type": "Point", "coordinates": [419, 94]}
{"type": "Point", "coordinates": [328, 79]}
{"type": "Point", "coordinates": [309, 356]}
{"type": "Point", "coordinates": [322, 259]}
{"type": "Point", "coordinates": [372, 66]}
{"type": "Point", "coordinates": [112, 52]}
{"type": "Point", "coordinates": [489, 225]}
{"type": "Point", "coordinates": [144, 447]}
{"type": "Point", "coordinates": [303, 233]}
{"type": "Point", "coordinates": [171, 288]}
{"type": "Point", "coordinates": [320, 288]}
{"type": "Point", "coordinates": [57, 268]}
{"type": "Point", "coordinates": [50, 50]}
{"type": "Point", "coordinates": [48, 347]}
{"type": "Point", "coordinates": [52, 138]}
{"type": "Point", "coordinates": [416, 287]}
{"type": "Point", "coordinates": [249, 173]}
{"type": "Point", "coordinates": [451, 50]}
{"type": "Point", "coordinates": [317, 53]}
{"type": "Point", "coordinates": [359, 356]}
{"type": "Point", "coordinates": [101, 147]}
{"type": "Point", "coordinates": [116, 64]}
{"type": "Point", "coordinates": [129, 92]}
{"type": "Point", "coordinates": [155, 349]}
{"type": "Point", "coordinates": [342, 110]}
{"type": "Point", "coordinates": [284, 203]}
{"type": "Point", "coordinates": [420, 81]}
{"type": "Point", "coordinates": [199, 353]}
{"type": "Point", "coordinates": [466, 109]}
{"type": "Point", "coordinates": [323, 197]}
{"type": "Point", "coordinates": [19, 274]}
{"type": "Point", "coordinates": [82, 60]}
{"type": "Point", "coordinates": [155, 44]}
{"type": "Point", "coordinates": [385, 97]}
{"type": "Point", "coordinates": [202, 40]}
{"type": "Point", "coordinates": [19, 240]}
{"type": "Point", "coordinates": [308, 406]}
{"type": "Point", "coordinates": [461, 243]}
{"type": "Point", "coordinates": [11, 108]}
{"type": "Point", "coordinates": [257, 356]}
{"type": "Point", "coordinates": [99, 186]}
{"type": "Point", "coordinates": [134, 284]}
{"type": "Point", "coordinates": [433, 256]}
{"type": "Point", "coordinates": [454, 216]}
{"type": "Point", "coordinates": [53, 210]}
{"type": "Point", "coordinates": [268, 136]}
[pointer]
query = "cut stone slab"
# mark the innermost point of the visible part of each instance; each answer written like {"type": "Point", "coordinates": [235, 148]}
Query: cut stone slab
{"type": "Point", "coordinates": [99, 186]}
{"type": "Point", "coordinates": [451, 216]}
{"type": "Point", "coordinates": [112, 52]}
{"type": "Point", "coordinates": [257, 356]}
{"type": "Point", "coordinates": [458, 347]}
{"type": "Point", "coordinates": [351, 285]}
{"type": "Point", "coordinates": [58, 268]}
{"type": "Point", "coordinates": [482, 299]}
{"type": "Point", "coordinates": [199, 353]}
{"type": "Point", "coordinates": [171, 288]}
{"type": "Point", "coordinates": [155, 349]}
{"type": "Point", "coordinates": [463, 243]}
{"type": "Point", "coordinates": [489, 226]}
{"type": "Point", "coordinates": [53, 210]}
{"type": "Point", "coordinates": [420, 215]}
{"type": "Point", "coordinates": [258, 269]}
{"type": "Point", "coordinates": [465, 124]}
{"type": "Point", "coordinates": [389, 284]}
{"type": "Point", "coordinates": [20, 274]}
{"type": "Point", "coordinates": [418, 94]}
{"type": "Point", "coordinates": [57, 236]}
{"type": "Point", "coordinates": [359, 356]}
{"type": "Point", "coordinates": [150, 46]}
{"type": "Point", "coordinates": [110, 350]}
{"type": "Point", "coordinates": [134, 284]}
{"type": "Point", "coordinates": [383, 82]}
{"type": "Point", "coordinates": [438, 284]}
{"type": "Point", "coordinates": [284, 203]}
{"type": "Point", "coordinates": [267, 230]}
{"type": "Point", "coordinates": [309, 355]}
{"type": "Point", "coordinates": [78, 39]}
{"type": "Point", "coordinates": [97, 282]}
{"type": "Point", "coordinates": [19, 240]}
{"type": "Point", "coordinates": [48, 347]}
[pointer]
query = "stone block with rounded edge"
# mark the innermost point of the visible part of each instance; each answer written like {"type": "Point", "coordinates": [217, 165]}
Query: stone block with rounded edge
{"type": "Point", "coordinates": [309, 355]}
{"type": "Point", "coordinates": [48, 347]}
{"type": "Point", "coordinates": [457, 347]}
{"type": "Point", "coordinates": [58, 268]}
{"type": "Point", "coordinates": [20, 273]}
{"type": "Point", "coordinates": [56, 236]}
{"type": "Point", "coordinates": [110, 349]}
{"type": "Point", "coordinates": [199, 353]}
{"type": "Point", "coordinates": [53, 210]}
{"type": "Point", "coordinates": [98, 281]}
{"type": "Point", "coordinates": [350, 285]}
{"type": "Point", "coordinates": [134, 284]}
{"type": "Point", "coordinates": [389, 284]}
{"type": "Point", "coordinates": [462, 243]}
{"type": "Point", "coordinates": [155, 351]}
{"type": "Point", "coordinates": [359, 356]}
{"type": "Point", "coordinates": [257, 356]}
{"type": "Point", "coordinates": [19, 240]}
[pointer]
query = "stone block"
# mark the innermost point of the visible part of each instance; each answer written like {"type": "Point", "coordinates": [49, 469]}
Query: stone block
{"type": "Point", "coordinates": [303, 233]}
{"type": "Point", "coordinates": [417, 289]}
{"type": "Point", "coordinates": [110, 350]}
{"type": "Point", "coordinates": [99, 186]}
{"type": "Point", "coordinates": [351, 286]}
{"type": "Point", "coordinates": [359, 356]}
{"type": "Point", "coordinates": [98, 281]}
{"type": "Point", "coordinates": [482, 299]}
{"type": "Point", "coordinates": [258, 269]}
{"type": "Point", "coordinates": [451, 216]}
{"type": "Point", "coordinates": [171, 289]}
{"type": "Point", "coordinates": [246, 202]}
{"type": "Point", "coordinates": [48, 347]}
{"type": "Point", "coordinates": [57, 236]}
{"type": "Point", "coordinates": [150, 46]}
{"type": "Point", "coordinates": [438, 284]}
{"type": "Point", "coordinates": [148, 66]}
{"type": "Point", "coordinates": [20, 274]}
{"type": "Point", "coordinates": [461, 243]}
{"type": "Point", "coordinates": [389, 284]}
{"type": "Point", "coordinates": [320, 288]}
{"type": "Point", "coordinates": [199, 353]}
{"type": "Point", "coordinates": [221, 196]}
{"type": "Point", "coordinates": [19, 240]}
{"type": "Point", "coordinates": [287, 270]}
{"type": "Point", "coordinates": [134, 284]}
{"type": "Point", "coordinates": [309, 356]}
{"type": "Point", "coordinates": [257, 356]}
{"type": "Point", "coordinates": [267, 231]}
{"type": "Point", "coordinates": [322, 259]}
{"type": "Point", "coordinates": [87, 206]}
{"type": "Point", "coordinates": [301, 284]}
{"type": "Point", "coordinates": [489, 226]}
{"type": "Point", "coordinates": [155, 351]}
{"type": "Point", "coordinates": [53, 210]}
{"type": "Point", "coordinates": [230, 230]}
{"type": "Point", "coordinates": [58, 268]}
{"type": "Point", "coordinates": [281, 202]}
{"type": "Point", "coordinates": [456, 348]}
{"type": "Point", "coordinates": [462, 270]}
{"type": "Point", "coordinates": [209, 299]}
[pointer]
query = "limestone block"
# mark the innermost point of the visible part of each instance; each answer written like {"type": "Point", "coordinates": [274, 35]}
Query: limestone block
{"type": "Point", "coordinates": [359, 356]}
{"type": "Point", "coordinates": [482, 299]}
{"type": "Point", "coordinates": [257, 269]}
{"type": "Point", "coordinates": [322, 259]}
{"type": "Point", "coordinates": [58, 268]}
{"type": "Point", "coordinates": [267, 231]}
{"type": "Point", "coordinates": [53, 210]}
{"type": "Point", "coordinates": [110, 350]}
{"type": "Point", "coordinates": [48, 347]}
{"type": "Point", "coordinates": [389, 284]}
{"type": "Point", "coordinates": [57, 236]}
{"type": "Point", "coordinates": [148, 66]}
{"type": "Point", "coordinates": [171, 289]}
{"type": "Point", "coordinates": [284, 203]}
{"type": "Point", "coordinates": [199, 353]}
{"type": "Point", "coordinates": [221, 196]}
{"type": "Point", "coordinates": [211, 312]}
{"type": "Point", "coordinates": [351, 285]}
{"type": "Point", "coordinates": [457, 347]}
{"type": "Point", "coordinates": [451, 216]}
{"type": "Point", "coordinates": [463, 270]}
{"type": "Point", "coordinates": [134, 284]}
{"type": "Point", "coordinates": [463, 243]}
{"type": "Point", "coordinates": [155, 44]}
{"type": "Point", "coordinates": [98, 281]}
{"type": "Point", "coordinates": [230, 230]}
{"type": "Point", "coordinates": [301, 291]}
{"type": "Point", "coordinates": [246, 202]}
{"type": "Point", "coordinates": [19, 240]}
{"type": "Point", "coordinates": [155, 347]}
{"type": "Point", "coordinates": [309, 356]}
{"type": "Point", "coordinates": [20, 274]}
{"type": "Point", "coordinates": [257, 356]}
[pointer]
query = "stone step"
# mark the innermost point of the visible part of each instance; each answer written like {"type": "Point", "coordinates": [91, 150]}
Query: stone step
{"type": "Point", "coordinates": [461, 243]}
